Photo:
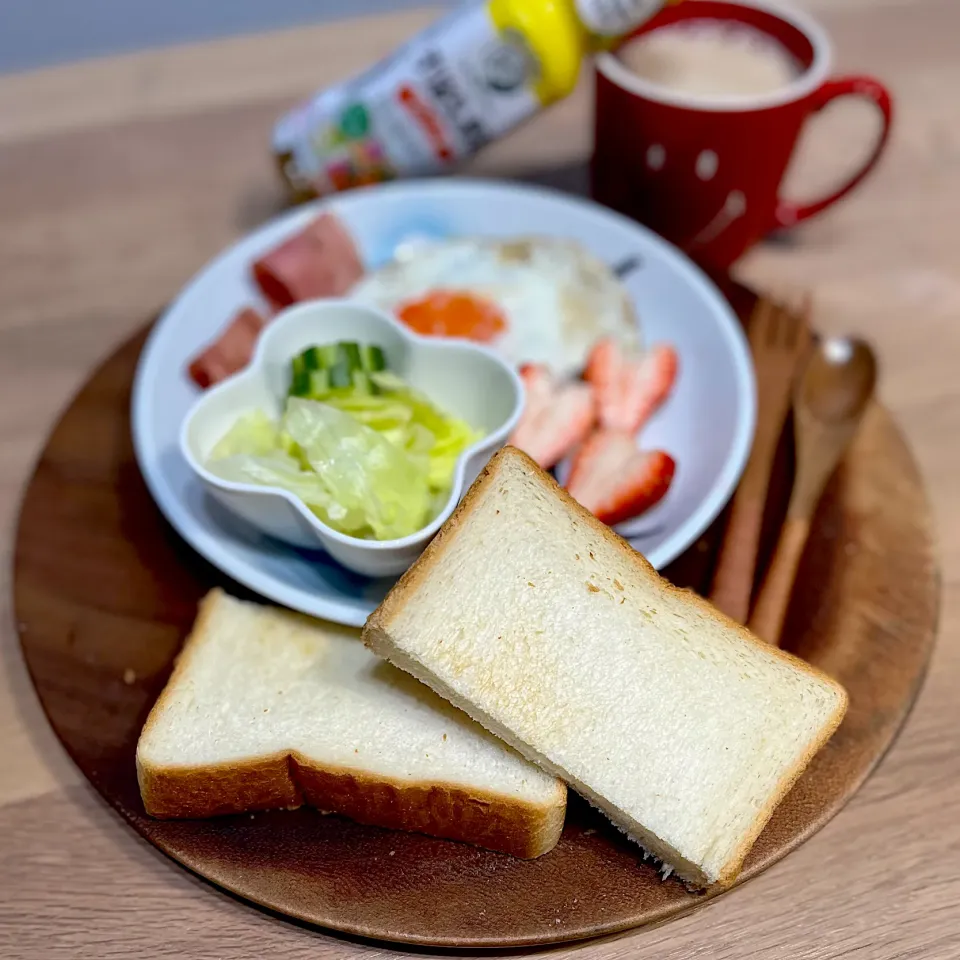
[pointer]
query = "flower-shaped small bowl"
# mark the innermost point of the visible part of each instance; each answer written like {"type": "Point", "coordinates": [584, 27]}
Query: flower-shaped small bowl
{"type": "Point", "coordinates": [461, 378]}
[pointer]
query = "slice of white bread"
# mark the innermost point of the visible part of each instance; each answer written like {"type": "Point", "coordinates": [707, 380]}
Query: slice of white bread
{"type": "Point", "coordinates": [557, 636]}
{"type": "Point", "coordinates": [269, 709]}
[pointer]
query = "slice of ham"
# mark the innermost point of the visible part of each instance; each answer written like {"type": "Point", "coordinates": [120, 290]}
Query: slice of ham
{"type": "Point", "coordinates": [320, 261]}
{"type": "Point", "coordinates": [230, 352]}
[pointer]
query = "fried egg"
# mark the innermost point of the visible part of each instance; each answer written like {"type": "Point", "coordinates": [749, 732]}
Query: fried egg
{"type": "Point", "coordinates": [533, 299]}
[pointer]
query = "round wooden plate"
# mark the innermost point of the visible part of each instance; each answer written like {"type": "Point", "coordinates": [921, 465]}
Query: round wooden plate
{"type": "Point", "coordinates": [105, 593]}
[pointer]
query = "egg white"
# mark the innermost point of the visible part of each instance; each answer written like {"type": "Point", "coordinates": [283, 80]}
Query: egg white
{"type": "Point", "coordinates": [557, 299]}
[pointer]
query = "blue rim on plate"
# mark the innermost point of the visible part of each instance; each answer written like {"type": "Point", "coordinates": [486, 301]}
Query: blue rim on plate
{"type": "Point", "coordinates": [707, 424]}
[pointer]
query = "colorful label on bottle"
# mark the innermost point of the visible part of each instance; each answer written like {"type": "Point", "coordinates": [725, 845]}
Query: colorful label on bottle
{"type": "Point", "coordinates": [435, 101]}
{"type": "Point", "coordinates": [613, 18]}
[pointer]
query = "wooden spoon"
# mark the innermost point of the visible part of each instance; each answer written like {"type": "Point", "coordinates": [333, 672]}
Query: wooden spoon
{"type": "Point", "coordinates": [829, 401]}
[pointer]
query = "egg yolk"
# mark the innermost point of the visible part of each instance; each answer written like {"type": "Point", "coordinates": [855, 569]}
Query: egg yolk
{"type": "Point", "coordinates": [446, 313]}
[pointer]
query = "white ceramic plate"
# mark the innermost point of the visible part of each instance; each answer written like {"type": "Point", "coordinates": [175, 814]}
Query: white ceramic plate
{"type": "Point", "coordinates": [707, 424]}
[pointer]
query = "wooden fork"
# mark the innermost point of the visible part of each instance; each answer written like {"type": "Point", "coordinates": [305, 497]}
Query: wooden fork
{"type": "Point", "coordinates": [779, 340]}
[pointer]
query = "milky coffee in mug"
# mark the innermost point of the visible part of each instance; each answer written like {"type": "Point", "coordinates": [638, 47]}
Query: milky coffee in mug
{"type": "Point", "coordinates": [711, 60]}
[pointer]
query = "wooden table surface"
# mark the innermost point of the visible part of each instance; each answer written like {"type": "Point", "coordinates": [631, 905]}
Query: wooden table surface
{"type": "Point", "coordinates": [119, 178]}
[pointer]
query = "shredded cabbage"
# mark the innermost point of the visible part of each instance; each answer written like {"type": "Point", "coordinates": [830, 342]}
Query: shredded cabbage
{"type": "Point", "coordinates": [278, 469]}
{"type": "Point", "coordinates": [363, 472]}
{"type": "Point", "coordinates": [254, 434]}
{"type": "Point", "coordinates": [371, 466]}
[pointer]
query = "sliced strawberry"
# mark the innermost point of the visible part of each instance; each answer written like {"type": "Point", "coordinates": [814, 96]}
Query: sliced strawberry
{"type": "Point", "coordinates": [614, 480]}
{"type": "Point", "coordinates": [556, 418]}
{"type": "Point", "coordinates": [629, 387]}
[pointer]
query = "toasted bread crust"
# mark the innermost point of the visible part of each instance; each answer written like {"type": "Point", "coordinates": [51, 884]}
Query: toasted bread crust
{"type": "Point", "coordinates": [289, 780]}
{"type": "Point", "coordinates": [376, 634]}
{"type": "Point", "coordinates": [173, 793]}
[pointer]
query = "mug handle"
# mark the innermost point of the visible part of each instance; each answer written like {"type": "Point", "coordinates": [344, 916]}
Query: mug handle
{"type": "Point", "coordinates": [788, 214]}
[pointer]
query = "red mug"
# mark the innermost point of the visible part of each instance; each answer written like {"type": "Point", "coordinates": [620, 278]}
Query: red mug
{"type": "Point", "coordinates": [706, 174]}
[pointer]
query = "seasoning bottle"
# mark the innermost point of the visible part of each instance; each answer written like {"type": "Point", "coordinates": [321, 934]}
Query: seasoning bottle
{"type": "Point", "coordinates": [461, 83]}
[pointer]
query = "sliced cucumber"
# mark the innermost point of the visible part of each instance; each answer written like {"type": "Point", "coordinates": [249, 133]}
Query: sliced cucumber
{"type": "Point", "coordinates": [340, 375]}
{"type": "Point", "coordinates": [328, 355]}
{"type": "Point", "coordinates": [363, 385]}
{"type": "Point", "coordinates": [349, 353]}
{"type": "Point", "coordinates": [336, 366]}
{"type": "Point", "coordinates": [313, 358]}
{"type": "Point", "coordinates": [319, 383]}
{"type": "Point", "coordinates": [372, 358]}
{"type": "Point", "coordinates": [300, 379]}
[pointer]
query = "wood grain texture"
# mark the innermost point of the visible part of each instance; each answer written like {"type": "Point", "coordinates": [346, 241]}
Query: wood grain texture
{"type": "Point", "coordinates": [100, 627]}
{"type": "Point", "coordinates": [105, 215]}
{"type": "Point", "coordinates": [779, 342]}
